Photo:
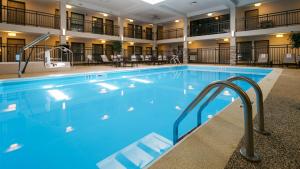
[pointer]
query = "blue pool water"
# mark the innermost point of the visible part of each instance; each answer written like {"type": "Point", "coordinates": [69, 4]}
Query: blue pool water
{"type": "Point", "coordinates": [104, 120]}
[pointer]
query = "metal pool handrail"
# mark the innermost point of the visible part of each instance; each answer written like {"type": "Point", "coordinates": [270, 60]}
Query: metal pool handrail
{"type": "Point", "coordinates": [259, 102]}
{"type": "Point", "coordinates": [248, 150]}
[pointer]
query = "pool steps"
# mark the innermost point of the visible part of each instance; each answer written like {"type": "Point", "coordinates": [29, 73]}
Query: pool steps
{"type": "Point", "coordinates": [138, 154]}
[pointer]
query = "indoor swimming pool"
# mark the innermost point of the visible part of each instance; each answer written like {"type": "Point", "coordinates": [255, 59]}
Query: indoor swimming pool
{"type": "Point", "coordinates": [105, 120]}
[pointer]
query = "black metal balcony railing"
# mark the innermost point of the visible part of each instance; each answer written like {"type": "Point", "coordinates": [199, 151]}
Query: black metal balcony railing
{"type": "Point", "coordinates": [137, 34]}
{"type": "Point", "coordinates": [249, 55]}
{"type": "Point", "coordinates": [127, 53]}
{"type": "Point", "coordinates": [275, 53]}
{"type": "Point", "coordinates": [92, 27]}
{"type": "Point", "coordinates": [210, 28]}
{"type": "Point", "coordinates": [19, 16]}
{"type": "Point", "coordinates": [209, 55]}
{"type": "Point", "coordinates": [170, 34]}
{"type": "Point", "coordinates": [271, 20]}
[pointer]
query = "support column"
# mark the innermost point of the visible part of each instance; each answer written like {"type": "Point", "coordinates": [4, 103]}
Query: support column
{"type": "Point", "coordinates": [4, 49]}
{"type": "Point", "coordinates": [185, 42]}
{"type": "Point", "coordinates": [154, 44]}
{"type": "Point", "coordinates": [233, 56]}
{"type": "Point", "coordinates": [121, 33]}
{"type": "Point", "coordinates": [63, 22]}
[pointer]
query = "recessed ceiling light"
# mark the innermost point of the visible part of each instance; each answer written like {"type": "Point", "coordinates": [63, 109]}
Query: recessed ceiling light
{"type": "Point", "coordinates": [177, 21]}
{"type": "Point", "coordinates": [257, 4]}
{"type": "Point", "coordinates": [280, 35]}
{"type": "Point", "coordinates": [105, 14]}
{"type": "Point", "coordinates": [209, 14]}
{"type": "Point", "coordinates": [13, 34]}
{"type": "Point", "coordinates": [68, 6]}
{"type": "Point", "coordinates": [130, 20]}
{"type": "Point", "coordinates": [153, 2]}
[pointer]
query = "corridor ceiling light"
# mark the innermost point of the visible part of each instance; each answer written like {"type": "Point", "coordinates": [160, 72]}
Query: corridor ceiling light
{"type": "Point", "coordinates": [12, 34]}
{"type": "Point", "coordinates": [153, 2]}
{"type": "Point", "coordinates": [279, 35]}
{"type": "Point", "coordinates": [190, 42]}
{"type": "Point", "coordinates": [69, 6]}
{"type": "Point", "coordinates": [105, 14]}
{"type": "Point", "coordinates": [131, 43]}
{"type": "Point", "coordinates": [209, 14]}
{"type": "Point", "coordinates": [67, 37]}
{"type": "Point", "coordinates": [103, 41]}
{"type": "Point", "coordinates": [177, 21]}
{"type": "Point", "coordinates": [257, 4]}
{"type": "Point", "coordinates": [226, 39]}
{"type": "Point", "coordinates": [130, 20]}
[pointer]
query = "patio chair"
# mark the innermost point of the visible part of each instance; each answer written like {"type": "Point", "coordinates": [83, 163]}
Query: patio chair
{"type": "Point", "coordinates": [89, 59]}
{"type": "Point", "coordinates": [133, 61]}
{"type": "Point", "coordinates": [263, 59]}
{"type": "Point", "coordinates": [193, 58]}
{"type": "Point", "coordinates": [165, 58]}
{"type": "Point", "coordinates": [290, 59]}
{"type": "Point", "coordinates": [144, 59]}
{"type": "Point", "coordinates": [148, 59]}
{"type": "Point", "coordinates": [160, 59]}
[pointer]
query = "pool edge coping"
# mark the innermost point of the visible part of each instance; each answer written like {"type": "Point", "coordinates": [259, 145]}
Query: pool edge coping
{"type": "Point", "coordinates": [74, 74]}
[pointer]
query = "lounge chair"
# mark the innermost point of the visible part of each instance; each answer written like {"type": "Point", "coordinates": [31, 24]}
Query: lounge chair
{"type": "Point", "coordinates": [290, 59]}
{"type": "Point", "coordinates": [133, 58]}
{"type": "Point", "coordinates": [263, 59]}
{"type": "Point", "coordinates": [105, 60]}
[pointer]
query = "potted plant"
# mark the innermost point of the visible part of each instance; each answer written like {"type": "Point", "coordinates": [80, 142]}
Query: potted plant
{"type": "Point", "coordinates": [117, 47]}
{"type": "Point", "coordinates": [295, 40]}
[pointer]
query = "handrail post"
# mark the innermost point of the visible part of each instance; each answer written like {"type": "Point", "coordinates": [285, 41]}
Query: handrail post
{"type": "Point", "coordinates": [247, 151]}
{"type": "Point", "coordinates": [259, 102]}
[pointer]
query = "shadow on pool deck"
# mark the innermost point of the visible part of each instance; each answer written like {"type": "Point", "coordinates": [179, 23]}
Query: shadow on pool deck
{"type": "Point", "coordinates": [282, 113]}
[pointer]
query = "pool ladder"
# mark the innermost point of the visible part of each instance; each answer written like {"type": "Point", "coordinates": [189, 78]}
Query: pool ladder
{"type": "Point", "coordinates": [248, 151]}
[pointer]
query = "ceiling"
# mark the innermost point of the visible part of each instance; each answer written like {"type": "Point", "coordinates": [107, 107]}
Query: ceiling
{"type": "Point", "coordinates": [158, 13]}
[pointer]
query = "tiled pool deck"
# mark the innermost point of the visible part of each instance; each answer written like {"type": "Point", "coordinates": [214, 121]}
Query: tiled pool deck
{"type": "Point", "coordinates": [282, 113]}
{"type": "Point", "coordinates": [280, 150]}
